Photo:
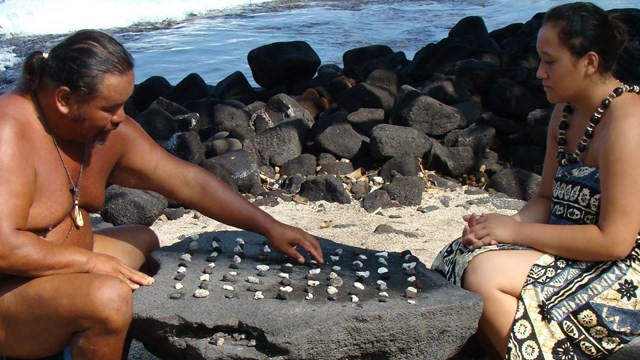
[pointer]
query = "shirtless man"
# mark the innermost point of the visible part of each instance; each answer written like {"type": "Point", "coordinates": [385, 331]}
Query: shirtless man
{"type": "Point", "coordinates": [64, 128]}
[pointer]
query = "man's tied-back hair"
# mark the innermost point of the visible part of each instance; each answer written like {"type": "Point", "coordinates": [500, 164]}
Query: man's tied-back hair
{"type": "Point", "coordinates": [584, 27]}
{"type": "Point", "coordinates": [79, 62]}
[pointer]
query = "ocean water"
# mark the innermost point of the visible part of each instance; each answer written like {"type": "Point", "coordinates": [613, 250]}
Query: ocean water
{"type": "Point", "coordinates": [173, 38]}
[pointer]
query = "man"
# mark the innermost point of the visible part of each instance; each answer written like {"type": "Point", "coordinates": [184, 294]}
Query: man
{"type": "Point", "coordinates": [63, 135]}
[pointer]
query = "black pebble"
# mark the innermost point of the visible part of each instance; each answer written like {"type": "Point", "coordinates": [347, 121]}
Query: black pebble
{"type": "Point", "coordinates": [179, 276]}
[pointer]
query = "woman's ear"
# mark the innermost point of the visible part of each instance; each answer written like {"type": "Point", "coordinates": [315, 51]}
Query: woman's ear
{"type": "Point", "coordinates": [63, 99]}
{"type": "Point", "coordinates": [591, 63]}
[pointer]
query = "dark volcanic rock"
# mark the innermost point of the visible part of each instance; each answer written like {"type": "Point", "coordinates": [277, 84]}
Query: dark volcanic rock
{"type": "Point", "coordinates": [283, 63]}
{"type": "Point", "coordinates": [190, 328]}
{"type": "Point", "coordinates": [124, 206]}
{"type": "Point", "coordinates": [325, 187]}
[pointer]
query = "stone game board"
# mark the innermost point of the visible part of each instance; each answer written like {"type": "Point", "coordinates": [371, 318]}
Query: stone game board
{"type": "Point", "coordinates": [225, 295]}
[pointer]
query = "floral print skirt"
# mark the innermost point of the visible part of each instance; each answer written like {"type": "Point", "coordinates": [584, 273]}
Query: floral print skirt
{"type": "Point", "coordinates": [568, 309]}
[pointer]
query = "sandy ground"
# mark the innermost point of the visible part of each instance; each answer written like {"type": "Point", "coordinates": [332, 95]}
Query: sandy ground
{"type": "Point", "coordinates": [423, 233]}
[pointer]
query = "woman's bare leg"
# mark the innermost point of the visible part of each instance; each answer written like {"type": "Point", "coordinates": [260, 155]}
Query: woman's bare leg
{"type": "Point", "coordinates": [498, 277]}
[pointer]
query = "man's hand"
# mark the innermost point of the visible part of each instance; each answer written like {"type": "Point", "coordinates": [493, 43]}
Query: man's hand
{"type": "Point", "coordinates": [109, 265]}
{"type": "Point", "coordinates": [285, 238]}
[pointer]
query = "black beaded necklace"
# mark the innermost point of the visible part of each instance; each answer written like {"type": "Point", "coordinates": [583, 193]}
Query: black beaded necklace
{"type": "Point", "coordinates": [565, 159]}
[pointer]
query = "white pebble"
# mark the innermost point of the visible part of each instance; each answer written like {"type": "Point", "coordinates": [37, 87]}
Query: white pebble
{"type": "Point", "coordinates": [334, 258]}
{"type": "Point", "coordinates": [258, 295]}
{"type": "Point", "coordinates": [382, 254]}
{"type": "Point", "coordinates": [313, 283]}
{"type": "Point", "coordinates": [309, 296]}
{"type": "Point", "coordinates": [354, 299]}
{"type": "Point", "coordinates": [181, 270]}
{"type": "Point", "coordinates": [383, 294]}
{"type": "Point", "coordinates": [233, 273]}
{"type": "Point", "coordinates": [407, 257]}
{"type": "Point", "coordinates": [378, 180]}
{"type": "Point", "coordinates": [283, 275]}
{"type": "Point", "coordinates": [227, 287]}
{"type": "Point", "coordinates": [185, 257]}
{"type": "Point", "coordinates": [382, 270]}
{"type": "Point", "coordinates": [211, 265]}
{"type": "Point", "coordinates": [338, 252]}
{"type": "Point", "coordinates": [201, 293]}
{"type": "Point", "coordinates": [332, 290]}
{"type": "Point", "coordinates": [382, 285]}
{"type": "Point", "coordinates": [179, 286]}
{"type": "Point", "coordinates": [412, 302]}
{"type": "Point", "coordinates": [411, 279]}
{"type": "Point", "coordinates": [214, 254]}
{"type": "Point", "coordinates": [237, 259]}
{"type": "Point", "coordinates": [220, 342]}
{"type": "Point", "coordinates": [358, 285]}
{"type": "Point", "coordinates": [364, 274]}
{"type": "Point", "coordinates": [266, 249]}
{"type": "Point", "coordinates": [332, 275]}
{"type": "Point", "coordinates": [262, 267]}
{"type": "Point", "coordinates": [336, 268]}
{"type": "Point", "coordinates": [253, 280]}
{"type": "Point", "coordinates": [238, 249]}
{"type": "Point", "coordinates": [286, 288]}
{"type": "Point", "coordinates": [204, 277]}
{"type": "Point", "coordinates": [362, 257]}
{"type": "Point", "coordinates": [240, 241]}
{"type": "Point", "coordinates": [214, 244]}
{"type": "Point", "coordinates": [313, 261]}
{"type": "Point", "coordinates": [382, 261]}
{"type": "Point", "coordinates": [409, 266]}
{"type": "Point", "coordinates": [314, 271]}
{"type": "Point", "coordinates": [195, 236]}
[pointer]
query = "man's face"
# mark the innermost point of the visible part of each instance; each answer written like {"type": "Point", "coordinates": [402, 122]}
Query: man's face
{"type": "Point", "coordinates": [99, 116]}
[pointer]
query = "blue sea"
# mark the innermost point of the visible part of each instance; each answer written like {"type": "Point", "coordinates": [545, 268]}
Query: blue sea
{"type": "Point", "coordinates": [173, 38]}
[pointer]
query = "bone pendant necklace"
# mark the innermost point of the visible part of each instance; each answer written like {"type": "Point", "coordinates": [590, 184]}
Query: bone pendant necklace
{"type": "Point", "coordinates": [76, 214]}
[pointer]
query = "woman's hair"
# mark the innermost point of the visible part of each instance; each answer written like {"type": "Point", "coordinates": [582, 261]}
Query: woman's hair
{"type": "Point", "coordinates": [79, 62]}
{"type": "Point", "coordinates": [584, 27]}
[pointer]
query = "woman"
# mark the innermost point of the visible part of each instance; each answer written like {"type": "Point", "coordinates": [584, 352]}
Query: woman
{"type": "Point", "coordinates": [567, 264]}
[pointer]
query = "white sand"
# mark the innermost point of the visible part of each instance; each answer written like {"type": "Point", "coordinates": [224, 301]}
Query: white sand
{"type": "Point", "coordinates": [352, 225]}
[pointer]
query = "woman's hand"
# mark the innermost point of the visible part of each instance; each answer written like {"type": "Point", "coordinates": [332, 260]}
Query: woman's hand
{"type": "Point", "coordinates": [489, 229]}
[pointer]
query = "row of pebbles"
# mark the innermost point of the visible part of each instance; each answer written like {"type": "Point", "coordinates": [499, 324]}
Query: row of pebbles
{"type": "Point", "coordinates": [334, 282]}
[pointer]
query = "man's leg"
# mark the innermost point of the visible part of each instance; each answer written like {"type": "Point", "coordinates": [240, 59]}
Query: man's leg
{"type": "Point", "coordinates": [39, 317]}
{"type": "Point", "coordinates": [498, 276]}
{"type": "Point", "coordinates": [132, 244]}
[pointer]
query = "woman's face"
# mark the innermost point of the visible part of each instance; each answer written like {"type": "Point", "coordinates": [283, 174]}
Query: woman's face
{"type": "Point", "coordinates": [559, 70]}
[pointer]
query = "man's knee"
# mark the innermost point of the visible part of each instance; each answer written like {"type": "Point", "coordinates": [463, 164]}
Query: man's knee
{"type": "Point", "coordinates": [111, 303]}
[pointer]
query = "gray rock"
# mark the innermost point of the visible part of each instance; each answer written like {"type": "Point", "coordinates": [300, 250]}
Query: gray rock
{"type": "Point", "coordinates": [304, 165]}
{"type": "Point", "coordinates": [406, 190]}
{"type": "Point", "coordinates": [279, 144]}
{"type": "Point", "coordinates": [516, 183]}
{"type": "Point", "coordinates": [437, 325]}
{"type": "Point", "coordinates": [379, 199]}
{"type": "Point", "coordinates": [388, 141]}
{"type": "Point", "coordinates": [366, 119]}
{"type": "Point", "coordinates": [325, 187]}
{"type": "Point", "coordinates": [406, 165]}
{"type": "Point", "coordinates": [123, 206]}
{"type": "Point", "coordinates": [187, 146]}
{"type": "Point", "coordinates": [452, 161]}
{"type": "Point", "coordinates": [242, 168]}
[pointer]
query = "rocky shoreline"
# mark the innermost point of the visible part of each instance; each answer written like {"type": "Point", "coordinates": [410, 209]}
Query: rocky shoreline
{"type": "Point", "coordinates": [468, 108]}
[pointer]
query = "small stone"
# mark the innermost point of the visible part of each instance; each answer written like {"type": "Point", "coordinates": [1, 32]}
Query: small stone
{"type": "Point", "coordinates": [382, 254]}
{"type": "Point", "coordinates": [286, 289]}
{"type": "Point", "coordinates": [354, 299]}
{"type": "Point", "coordinates": [332, 275]}
{"type": "Point", "coordinates": [185, 257]}
{"type": "Point", "coordinates": [411, 279]}
{"type": "Point", "coordinates": [179, 277]}
{"type": "Point", "coordinates": [175, 296]}
{"type": "Point", "coordinates": [336, 281]}
{"type": "Point", "coordinates": [363, 274]}
{"type": "Point", "coordinates": [240, 241]}
{"type": "Point", "coordinates": [238, 249]}
{"type": "Point", "coordinates": [262, 267]}
{"type": "Point", "coordinates": [382, 261]}
{"type": "Point", "coordinates": [332, 290]}
{"type": "Point", "coordinates": [228, 287]}
{"type": "Point", "coordinates": [338, 252]}
{"type": "Point", "coordinates": [282, 295]}
{"type": "Point", "coordinates": [266, 249]}
{"type": "Point", "coordinates": [207, 270]}
{"type": "Point", "coordinates": [258, 295]}
{"type": "Point", "coordinates": [253, 288]}
{"type": "Point", "coordinates": [308, 290]}
{"type": "Point", "coordinates": [212, 257]}
{"type": "Point", "coordinates": [181, 270]}
{"type": "Point", "coordinates": [178, 286]}
{"type": "Point", "coordinates": [357, 265]}
{"type": "Point", "coordinates": [411, 292]}
{"type": "Point", "coordinates": [238, 336]}
{"type": "Point", "coordinates": [313, 283]}
{"type": "Point", "coordinates": [362, 257]}
{"type": "Point", "coordinates": [229, 278]}
{"type": "Point", "coordinates": [193, 245]}
{"type": "Point", "coordinates": [201, 293]}
{"type": "Point", "coordinates": [204, 277]}
{"type": "Point", "coordinates": [383, 294]}
{"type": "Point", "coordinates": [309, 296]}
{"type": "Point", "coordinates": [336, 268]}
{"type": "Point", "coordinates": [314, 271]}
{"type": "Point", "coordinates": [354, 291]}
{"type": "Point", "coordinates": [204, 285]}
{"type": "Point", "coordinates": [230, 295]}
{"type": "Point", "coordinates": [233, 266]}
{"type": "Point", "coordinates": [334, 258]}
{"type": "Point", "coordinates": [417, 284]}
{"type": "Point", "coordinates": [285, 282]}
{"type": "Point", "coordinates": [251, 343]}
{"type": "Point", "coordinates": [214, 244]}
{"type": "Point", "coordinates": [384, 273]}
{"type": "Point", "coordinates": [412, 302]}
{"type": "Point", "coordinates": [332, 297]}
{"type": "Point", "coordinates": [410, 265]}
{"type": "Point", "coordinates": [237, 259]}
{"type": "Point", "coordinates": [286, 268]}
{"type": "Point", "coordinates": [382, 286]}
{"type": "Point", "coordinates": [411, 271]}
{"type": "Point", "coordinates": [358, 285]}
{"type": "Point", "coordinates": [283, 275]}
{"type": "Point", "coordinates": [253, 280]}
{"type": "Point", "coordinates": [262, 273]}
{"type": "Point", "coordinates": [183, 264]}
{"type": "Point", "coordinates": [382, 299]}
{"type": "Point", "coordinates": [220, 341]}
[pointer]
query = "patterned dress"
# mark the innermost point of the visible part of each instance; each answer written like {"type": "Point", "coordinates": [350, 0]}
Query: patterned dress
{"type": "Point", "coordinates": [568, 309]}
